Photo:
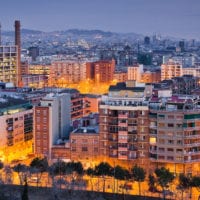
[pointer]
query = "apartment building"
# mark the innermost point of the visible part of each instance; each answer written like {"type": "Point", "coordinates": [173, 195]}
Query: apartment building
{"type": "Point", "coordinates": [9, 64]}
{"type": "Point", "coordinates": [52, 122]}
{"type": "Point", "coordinates": [16, 119]}
{"type": "Point", "coordinates": [124, 124]}
{"type": "Point", "coordinates": [84, 143]}
{"type": "Point", "coordinates": [175, 132]}
{"type": "Point", "coordinates": [171, 70]}
{"type": "Point", "coordinates": [134, 72]}
{"type": "Point", "coordinates": [101, 71]}
{"type": "Point", "coordinates": [67, 72]}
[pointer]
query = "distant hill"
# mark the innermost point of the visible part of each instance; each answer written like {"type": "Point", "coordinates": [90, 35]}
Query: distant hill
{"type": "Point", "coordinates": [73, 33]}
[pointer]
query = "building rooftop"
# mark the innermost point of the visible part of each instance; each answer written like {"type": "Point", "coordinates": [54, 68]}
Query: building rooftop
{"type": "Point", "coordinates": [86, 130]}
{"type": "Point", "coordinates": [10, 105]}
{"type": "Point", "coordinates": [122, 86]}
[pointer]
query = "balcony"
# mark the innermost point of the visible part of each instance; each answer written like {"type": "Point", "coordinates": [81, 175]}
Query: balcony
{"type": "Point", "coordinates": [123, 116]}
{"type": "Point", "coordinates": [191, 161]}
{"type": "Point", "coordinates": [122, 132]}
{"type": "Point", "coordinates": [122, 157]}
{"type": "Point", "coordinates": [192, 145]}
{"type": "Point", "coordinates": [122, 149]}
{"type": "Point", "coordinates": [190, 153]}
{"type": "Point", "coordinates": [192, 136]}
{"type": "Point", "coordinates": [113, 155]}
{"type": "Point", "coordinates": [153, 126]}
{"type": "Point", "coordinates": [123, 124]}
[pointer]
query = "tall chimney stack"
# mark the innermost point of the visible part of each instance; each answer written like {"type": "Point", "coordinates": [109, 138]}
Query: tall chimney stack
{"type": "Point", "coordinates": [18, 44]}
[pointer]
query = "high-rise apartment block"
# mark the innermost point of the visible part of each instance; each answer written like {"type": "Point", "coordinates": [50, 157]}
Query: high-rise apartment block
{"type": "Point", "coordinates": [67, 72]}
{"type": "Point", "coordinates": [171, 70]}
{"type": "Point", "coordinates": [52, 122]}
{"type": "Point", "coordinates": [10, 60]}
{"type": "Point", "coordinates": [16, 119]}
{"type": "Point", "coordinates": [175, 132]}
{"type": "Point", "coordinates": [134, 72]}
{"type": "Point", "coordinates": [101, 71]}
{"type": "Point", "coordinates": [9, 64]}
{"type": "Point", "coordinates": [124, 125]}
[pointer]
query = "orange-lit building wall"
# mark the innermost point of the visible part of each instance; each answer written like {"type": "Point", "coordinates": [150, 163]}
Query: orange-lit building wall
{"type": "Point", "coordinates": [150, 77]}
{"type": "Point", "coordinates": [41, 131]}
{"type": "Point", "coordinates": [24, 68]}
{"type": "Point", "coordinates": [120, 76]}
{"type": "Point", "coordinates": [170, 70]}
{"type": "Point", "coordinates": [84, 146]}
{"type": "Point", "coordinates": [101, 71]}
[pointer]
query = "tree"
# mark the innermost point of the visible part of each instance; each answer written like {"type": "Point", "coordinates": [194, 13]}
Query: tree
{"type": "Point", "coordinates": [164, 177]}
{"type": "Point", "coordinates": [103, 169]}
{"type": "Point", "coordinates": [184, 183]}
{"type": "Point", "coordinates": [120, 173]}
{"type": "Point", "coordinates": [21, 170]}
{"type": "Point", "coordinates": [1, 165]}
{"type": "Point", "coordinates": [40, 163]}
{"type": "Point", "coordinates": [195, 182]}
{"type": "Point", "coordinates": [38, 166]}
{"type": "Point", "coordinates": [8, 174]}
{"type": "Point", "coordinates": [90, 172]}
{"type": "Point", "coordinates": [25, 191]}
{"type": "Point", "coordinates": [138, 174]}
{"type": "Point", "coordinates": [151, 183]}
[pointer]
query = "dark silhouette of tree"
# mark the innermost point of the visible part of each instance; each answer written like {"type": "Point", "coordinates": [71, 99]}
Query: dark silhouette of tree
{"type": "Point", "coordinates": [195, 182]}
{"type": "Point", "coordinates": [90, 172]}
{"type": "Point", "coordinates": [102, 170]}
{"type": "Point", "coordinates": [138, 174]}
{"type": "Point", "coordinates": [38, 166]}
{"type": "Point", "coordinates": [1, 165]}
{"type": "Point", "coordinates": [184, 184]}
{"type": "Point", "coordinates": [25, 191]}
{"type": "Point", "coordinates": [164, 177]}
{"type": "Point", "coordinates": [22, 171]}
{"type": "Point", "coordinates": [8, 174]}
{"type": "Point", "coordinates": [121, 173]}
{"type": "Point", "coordinates": [40, 163]}
{"type": "Point", "coordinates": [152, 183]}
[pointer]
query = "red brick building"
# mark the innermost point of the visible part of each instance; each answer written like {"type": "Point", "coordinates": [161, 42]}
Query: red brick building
{"type": "Point", "coordinates": [100, 71]}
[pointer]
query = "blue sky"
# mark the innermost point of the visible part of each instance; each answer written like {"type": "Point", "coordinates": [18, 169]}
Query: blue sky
{"type": "Point", "coordinates": [179, 18]}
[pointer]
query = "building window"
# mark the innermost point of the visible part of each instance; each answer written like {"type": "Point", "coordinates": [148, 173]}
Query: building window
{"type": "Point", "coordinates": [170, 116]}
{"type": "Point", "coordinates": [73, 141]}
{"type": "Point", "coordinates": [84, 141]}
{"type": "Point", "coordinates": [161, 141]}
{"type": "Point", "coordinates": [73, 148]}
{"type": "Point", "coordinates": [84, 149]}
{"type": "Point", "coordinates": [38, 127]}
{"type": "Point", "coordinates": [179, 141]}
{"type": "Point", "coordinates": [170, 125]}
{"type": "Point", "coordinates": [161, 124]}
{"type": "Point", "coordinates": [170, 149]}
{"type": "Point", "coordinates": [95, 141]}
{"type": "Point", "coordinates": [170, 141]}
{"type": "Point", "coordinates": [96, 149]}
{"type": "Point", "coordinates": [161, 149]}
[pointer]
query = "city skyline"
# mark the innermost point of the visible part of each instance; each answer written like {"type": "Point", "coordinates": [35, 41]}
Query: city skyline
{"type": "Point", "coordinates": [177, 18]}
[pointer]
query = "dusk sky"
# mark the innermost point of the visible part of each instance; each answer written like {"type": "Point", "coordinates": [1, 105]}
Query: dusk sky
{"type": "Point", "coordinates": [178, 18]}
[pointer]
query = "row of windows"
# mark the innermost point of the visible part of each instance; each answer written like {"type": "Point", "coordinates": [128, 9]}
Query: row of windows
{"type": "Point", "coordinates": [84, 149]}
{"type": "Point", "coordinates": [84, 141]}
